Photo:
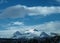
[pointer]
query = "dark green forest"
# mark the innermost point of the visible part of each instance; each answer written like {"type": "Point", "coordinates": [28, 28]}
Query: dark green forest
{"type": "Point", "coordinates": [55, 39]}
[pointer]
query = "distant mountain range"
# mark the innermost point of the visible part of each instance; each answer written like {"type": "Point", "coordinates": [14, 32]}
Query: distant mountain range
{"type": "Point", "coordinates": [31, 34]}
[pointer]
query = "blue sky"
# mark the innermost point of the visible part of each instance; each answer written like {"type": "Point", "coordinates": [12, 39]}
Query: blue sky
{"type": "Point", "coordinates": [7, 3]}
{"type": "Point", "coordinates": [23, 15]}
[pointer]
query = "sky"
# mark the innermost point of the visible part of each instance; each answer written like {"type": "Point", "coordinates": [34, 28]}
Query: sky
{"type": "Point", "coordinates": [21, 15]}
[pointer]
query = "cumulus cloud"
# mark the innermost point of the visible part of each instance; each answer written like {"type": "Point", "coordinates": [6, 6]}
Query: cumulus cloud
{"type": "Point", "coordinates": [20, 11]}
{"type": "Point", "coordinates": [53, 26]}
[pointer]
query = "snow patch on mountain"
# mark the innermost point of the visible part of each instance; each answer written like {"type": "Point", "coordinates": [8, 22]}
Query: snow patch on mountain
{"type": "Point", "coordinates": [30, 34]}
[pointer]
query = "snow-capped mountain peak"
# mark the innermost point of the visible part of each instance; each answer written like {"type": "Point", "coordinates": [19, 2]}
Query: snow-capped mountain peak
{"type": "Point", "coordinates": [31, 30]}
{"type": "Point", "coordinates": [30, 33]}
{"type": "Point", "coordinates": [35, 30]}
{"type": "Point", "coordinates": [16, 34]}
{"type": "Point", "coordinates": [43, 35]}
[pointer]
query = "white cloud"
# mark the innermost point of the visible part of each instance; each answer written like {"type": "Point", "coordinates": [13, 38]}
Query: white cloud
{"type": "Point", "coordinates": [17, 23]}
{"type": "Point", "coordinates": [44, 10]}
{"type": "Point", "coordinates": [6, 33]}
{"type": "Point", "coordinates": [53, 26]}
{"type": "Point", "coordinates": [3, 1]}
{"type": "Point", "coordinates": [14, 12]}
{"type": "Point", "coordinates": [58, 1]}
{"type": "Point", "coordinates": [48, 26]}
{"type": "Point", "coordinates": [20, 11]}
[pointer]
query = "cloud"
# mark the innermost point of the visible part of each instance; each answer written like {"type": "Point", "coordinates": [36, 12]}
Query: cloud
{"type": "Point", "coordinates": [53, 26]}
{"type": "Point", "coordinates": [20, 11]}
{"type": "Point", "coordinates": [3, 1]}
{"type": "Point", "coordinates": [6, 33]}
{"type": "Point", "coordinates": [58, 0]}
{"type": "Point", "coordinates": [17, 23]}
{"type": "Point", "coordinates": [44, 10]}
{"type": "Point", "coordinates": [48, 26]}
{"type": "Point", "coordinates": [14, 12]}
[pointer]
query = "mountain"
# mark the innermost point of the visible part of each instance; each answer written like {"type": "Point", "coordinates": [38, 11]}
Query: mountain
{"type": "Point", "coordinates": [35, 30]}
{"type": "Point", "coordinates": [30, 34]}
{"type": "Point", "coordinates": [54, 34]}
{"type": "Point", "coordinates": [44, 35]}
{"type": "Point", "coordinates": [17, 34]}
{"type": "Point", "coordinates": [31, 31]}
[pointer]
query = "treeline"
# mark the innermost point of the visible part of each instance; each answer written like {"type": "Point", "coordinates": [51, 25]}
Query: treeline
{"type": "Point", "coordinates": [55, 39]}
